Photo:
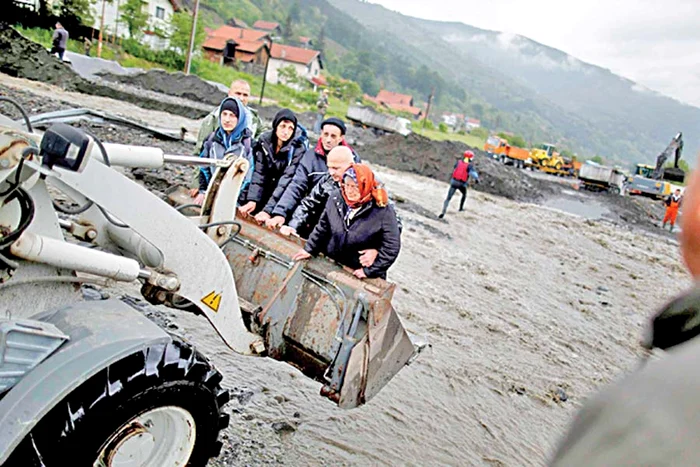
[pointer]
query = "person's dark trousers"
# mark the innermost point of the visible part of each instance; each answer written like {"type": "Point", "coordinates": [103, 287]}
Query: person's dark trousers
{"type": "Point", "coordinates": [455, 185]}
{"type": "Point", "coordinates": [59, 50]}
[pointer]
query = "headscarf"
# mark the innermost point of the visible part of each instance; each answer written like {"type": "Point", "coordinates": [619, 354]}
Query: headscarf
{"type": "Point", "coordinates": [284, 114]}
{"type": "Point", "coordinates": [368, 186]}
{"type": "Point", "coordinates": [235, 106]}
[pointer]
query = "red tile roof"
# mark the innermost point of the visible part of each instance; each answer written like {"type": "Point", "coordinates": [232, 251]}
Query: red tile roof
{"type": "Point", "coordinates": [405, 108]}
{"type": "Point", "coordinates": [215, 43]}
{"type": "Point", "coordinates": [394, 98]}
{"type": "Point", "coordinates": [229, 32]}
{"type": "Point", "coordinates": [319, 80]}
{"type": "Point", "coordinates": [304, 39]}
{"type": "Point", "coordinates": [250, 46]}
{"type": "Point", "coordinates": [266, 25]}
{"type": "Point", "coordinates": [293, 54]}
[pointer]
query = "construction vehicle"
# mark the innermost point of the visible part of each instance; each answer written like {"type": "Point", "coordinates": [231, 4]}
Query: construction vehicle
{"type": "Point", "coordinates": [598, 177]}
{"type": "Point", "coordinates": [380, 123]}
{"type": "Point", "coordinates": [492, 145]}
{"type": "Point", "coordinates": [501, 150]}
{"type": "Point", "coordinates": [97, 382]}
{"type": "Point", "coordinates": [546, 159]}
{"type": "Point", "coordinates": [653, 180]}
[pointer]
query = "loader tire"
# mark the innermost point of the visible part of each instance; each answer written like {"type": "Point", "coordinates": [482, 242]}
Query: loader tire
{"type": "Point", "coordinates": [166, 399]}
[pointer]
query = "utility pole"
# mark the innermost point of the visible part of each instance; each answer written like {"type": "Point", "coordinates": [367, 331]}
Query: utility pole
{"type": "Point", "coordinates": [267, 63]}
{"type": "Point", "coordinates": [102, 25]}
{"type": "Point", "coordinates": [430, 101]}
{"type": "Point", "coordinates": [427, 112]}
{"type": "Point", "coordinates": [190, 47]}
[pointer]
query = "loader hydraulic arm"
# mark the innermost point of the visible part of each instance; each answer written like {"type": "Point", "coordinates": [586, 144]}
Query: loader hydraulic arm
{"type": "Point", "coordinates": [190, 264]}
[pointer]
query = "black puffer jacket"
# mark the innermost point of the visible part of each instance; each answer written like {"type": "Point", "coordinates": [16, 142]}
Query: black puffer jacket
{"type": "Point", "coordinates": [310, 170]}
{"type": "Point", "coordinates": [309, 211]}
{"type": "Point", "coordinates": [342, 239]}
{"type": "Point", "coordinates": [273, 172]}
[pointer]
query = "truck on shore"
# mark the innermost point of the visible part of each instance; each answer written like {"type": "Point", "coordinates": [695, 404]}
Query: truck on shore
{"type": "Point", "coordinates": [380, 123]}
{"type": "Point", "coordinates": [597, 177]}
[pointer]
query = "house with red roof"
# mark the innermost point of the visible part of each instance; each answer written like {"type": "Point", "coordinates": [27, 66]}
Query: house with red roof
{"type": "Point", "coordinates": [228, 45]}
{"type": "Point", "coordinates": [306, 62]}
{"type": "Point", "coordinates": [397, 102]}
{"type": "Point", "coordinates": [268, 26]}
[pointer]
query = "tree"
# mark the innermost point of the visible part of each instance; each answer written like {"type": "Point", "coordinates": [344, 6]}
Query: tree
{"type": "Point", "coordinates": [134, 16]}
{"type": "Point", "coordinates": [181, 23]}
{"type": "Point", "coordinates": [76, 12]}
{"type": "Point", "coordinates": [287, 29]}
{"type": "Point", "coordinates": [442, 127]}
{"type": "Point", "coordinates": [596, 159]}
{"type": "Point", "coordinates": [288, 75]}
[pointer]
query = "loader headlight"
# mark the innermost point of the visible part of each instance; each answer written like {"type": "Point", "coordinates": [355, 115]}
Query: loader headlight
{"type": "Point", "coordinates": [65, 146]}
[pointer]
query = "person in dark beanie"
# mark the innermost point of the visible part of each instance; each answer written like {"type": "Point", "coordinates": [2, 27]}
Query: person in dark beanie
{"type": "Point", "coordinates": [277, 154]}
{"type": "Point", "coordinates": [232, 138]}
{"type": "Point", "coordinates": [311, 169]}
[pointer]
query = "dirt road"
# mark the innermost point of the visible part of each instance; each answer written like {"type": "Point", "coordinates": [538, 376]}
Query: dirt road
{"type": "Point", "coordinates": [528, 311]}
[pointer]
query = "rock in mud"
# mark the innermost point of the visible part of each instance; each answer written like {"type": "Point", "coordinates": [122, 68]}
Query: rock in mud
{"type": "Point", "coordinates": [284, 427]}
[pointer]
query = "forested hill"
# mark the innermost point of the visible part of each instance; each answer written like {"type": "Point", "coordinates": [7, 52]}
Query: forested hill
{"type": "Point", "coordinates": [510, 82]}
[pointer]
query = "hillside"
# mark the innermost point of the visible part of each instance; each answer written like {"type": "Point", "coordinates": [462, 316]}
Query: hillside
{"type": "Point", "coordinates": [510, 82]}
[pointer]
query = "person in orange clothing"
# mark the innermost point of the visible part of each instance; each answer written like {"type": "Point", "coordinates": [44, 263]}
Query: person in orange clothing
{"type": "Point", "coordinates": [673, 202]}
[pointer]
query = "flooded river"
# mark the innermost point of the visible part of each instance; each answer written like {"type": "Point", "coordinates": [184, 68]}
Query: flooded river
{"type": "Point", "coordinates": [527, 310]}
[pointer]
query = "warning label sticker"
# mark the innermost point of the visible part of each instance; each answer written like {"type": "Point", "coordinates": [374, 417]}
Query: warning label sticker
{"type": "Point", "coordinates": [212, 300]}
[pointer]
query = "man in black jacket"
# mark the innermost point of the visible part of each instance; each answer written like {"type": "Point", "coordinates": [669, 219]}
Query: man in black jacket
{"type": "Point", "coordinates": [311, 169]}
{"type": "Point", "coordinates": [306, 215]}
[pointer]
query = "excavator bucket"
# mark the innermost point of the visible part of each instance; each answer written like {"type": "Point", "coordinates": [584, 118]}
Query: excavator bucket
{"type": "Point", "coordinates": [315, 315]}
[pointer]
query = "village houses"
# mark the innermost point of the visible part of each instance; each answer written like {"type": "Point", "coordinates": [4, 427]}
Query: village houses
{"type": "Point", "coordinates": [160, 13]}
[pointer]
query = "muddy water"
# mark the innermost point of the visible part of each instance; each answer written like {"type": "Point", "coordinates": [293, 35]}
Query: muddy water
{"type": "Point", "coordinates": [528, 311]}
{"type": "Point", "coordinates": [578, 204]}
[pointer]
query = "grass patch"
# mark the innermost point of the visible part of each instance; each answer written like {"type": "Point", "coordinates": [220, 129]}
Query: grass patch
{"type": "Point", "coordinates": [469, 140]}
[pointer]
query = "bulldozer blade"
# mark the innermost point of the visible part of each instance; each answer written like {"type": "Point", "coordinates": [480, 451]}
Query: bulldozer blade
{"type": "Point", "coordinates": [339, 330]}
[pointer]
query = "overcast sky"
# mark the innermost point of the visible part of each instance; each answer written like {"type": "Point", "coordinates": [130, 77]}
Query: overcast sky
{"type": "Point", "coordinates": [653, 42]}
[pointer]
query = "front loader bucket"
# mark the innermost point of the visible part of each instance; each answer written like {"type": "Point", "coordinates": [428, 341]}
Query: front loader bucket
{"type": "Point", "coordinates": [335, 328]}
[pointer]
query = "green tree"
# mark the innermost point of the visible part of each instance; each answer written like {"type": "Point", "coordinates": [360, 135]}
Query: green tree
{"type": "Point", "coordinates": [76, 12]}
{"type": "Point", "coordinates": [597, 159]}
{"type": "Point", "coordinates": [288, 29]}
{"type": "Point", "coordinates": [136, 19]}
{"type": "Point", "coordinates": [181, 23]}
{"type": "Point", "coordinates": [442, 127]}
{"type": "Point", "coordinates": [480, 132]}
{"type": "Point", "coordinates": [288, 75]}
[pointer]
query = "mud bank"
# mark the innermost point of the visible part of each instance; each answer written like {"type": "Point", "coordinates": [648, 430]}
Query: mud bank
{"type": "Point", "coordinates": [173, 84]}
{"type": "Point", "coordinates": [23, 58]}
{"type": "Point", "coordinates": [435, 159]}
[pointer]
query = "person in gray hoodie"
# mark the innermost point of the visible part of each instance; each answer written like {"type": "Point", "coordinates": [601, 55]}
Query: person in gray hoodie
{"type": "Point", "coordinates": [59, 41]}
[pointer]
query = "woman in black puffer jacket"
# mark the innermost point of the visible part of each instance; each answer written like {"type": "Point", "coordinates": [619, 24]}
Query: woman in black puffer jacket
{"type": "Point", "coordinates": [277, 154]}
{"type": "Point", "coordinates": [356, 218]}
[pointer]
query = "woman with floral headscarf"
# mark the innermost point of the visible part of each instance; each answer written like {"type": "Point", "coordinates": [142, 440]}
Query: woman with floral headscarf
{"type": "Point", "coordinates": [356, 218]}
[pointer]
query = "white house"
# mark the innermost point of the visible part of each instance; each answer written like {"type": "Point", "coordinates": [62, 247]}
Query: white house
{"type": "Point", "coordinates": [159, 12]}
{"type": "Point", "coordinates": [307, 62]}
